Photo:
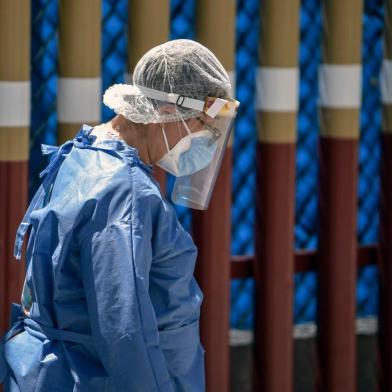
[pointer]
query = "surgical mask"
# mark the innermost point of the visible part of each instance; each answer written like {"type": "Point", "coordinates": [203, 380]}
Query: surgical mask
{"type": "Point", "coordinates": [191, 154]}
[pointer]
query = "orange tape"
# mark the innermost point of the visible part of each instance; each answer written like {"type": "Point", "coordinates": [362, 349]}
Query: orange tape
{"type": "Point", "coordinates": [14, 144]}
{"type": "Point", "coordinates": [277, 127]}
{"type": "Point", "coordinates": [339, 123]}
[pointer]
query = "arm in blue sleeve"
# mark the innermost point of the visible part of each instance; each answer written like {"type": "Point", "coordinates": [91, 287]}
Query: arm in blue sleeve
{"type": "Point", "coordinates": [177, 298]}
{"type": "Point", "coordinates": [122, 318]}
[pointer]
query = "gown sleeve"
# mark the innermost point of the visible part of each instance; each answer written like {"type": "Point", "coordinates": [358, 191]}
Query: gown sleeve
{"type": "Point", "coordinates": [177, 299]}
{"type": "Point", "coordinates": [122, 319]}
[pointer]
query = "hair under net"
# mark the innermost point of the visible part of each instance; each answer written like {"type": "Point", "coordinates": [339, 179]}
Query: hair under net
{"type": "Point", "coordinates": [182, 67]}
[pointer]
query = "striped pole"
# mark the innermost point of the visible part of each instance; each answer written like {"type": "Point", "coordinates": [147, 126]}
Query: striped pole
{"type": "Point", "coordinates": [212, 228]}
{"type": "Point", "coordinates": [277, 101]}
{"type": "Point", "coordinates": [385, 324]}
{"type": "Point", "coordinates": [340, 97]}
{"type": "Point", "coordinates": [79, 85]}
{"type": "Point", "coordinates": [148, 27]}
{"type": "Point", "coordinates": [14, 142]}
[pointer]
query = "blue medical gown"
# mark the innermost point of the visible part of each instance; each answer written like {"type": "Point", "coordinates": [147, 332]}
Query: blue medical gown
{"type": "Point", "coordinates": [111, 300]}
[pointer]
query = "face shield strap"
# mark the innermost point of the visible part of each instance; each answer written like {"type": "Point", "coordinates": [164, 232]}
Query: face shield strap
{"type": "Point", "coordinates": [185, 102]}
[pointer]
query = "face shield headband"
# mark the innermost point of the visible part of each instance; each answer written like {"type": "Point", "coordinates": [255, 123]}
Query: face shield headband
{"type": "Point", "coordinates": [210, 106]}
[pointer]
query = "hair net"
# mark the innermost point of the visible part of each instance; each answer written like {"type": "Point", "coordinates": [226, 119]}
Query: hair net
{"type": "Point", "coordinates": [182, 67]}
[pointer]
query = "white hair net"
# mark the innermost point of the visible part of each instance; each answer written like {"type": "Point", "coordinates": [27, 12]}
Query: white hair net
{"type": "Point", "coordinates": [182, 67]}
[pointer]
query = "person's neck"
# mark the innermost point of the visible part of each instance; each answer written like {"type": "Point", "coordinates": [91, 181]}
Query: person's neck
{"type": "Point", "coordinates": [135, 135]}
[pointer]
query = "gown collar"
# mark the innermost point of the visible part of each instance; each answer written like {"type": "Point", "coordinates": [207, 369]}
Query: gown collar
{"type": "Point", "coordinates": [84, 139]}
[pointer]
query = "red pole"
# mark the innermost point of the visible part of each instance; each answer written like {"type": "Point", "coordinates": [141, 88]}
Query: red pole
{"type": "Point", "coordinates": [340, 97]}
{"type": "Point", "coordinates": [211, 232]}
{"type": "Point", "coordinates": [212, 228]}
{"type": "Point", "coordinates": [14, 143]}
{"type": "Point", "coordinates": [337, 265]}
{"type": "Point", "coordinates": [274, 267]}
{"type": "Point", "coordinates": [385, 316]}
{"type": "Point", "coordinates": [277, 89]}
{"type": "Point", "coordinates": [17, 202]}
{"type": "Point", "coordinates": [3, 246]}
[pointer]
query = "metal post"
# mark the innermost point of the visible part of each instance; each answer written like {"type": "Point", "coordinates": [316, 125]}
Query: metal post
{"type": "Point", "coordinates": [340, 97]}
{"type": "Point", "coordinates": [212, 228]}
{"type": "Point", "coordinates": [385, 318]}
{"type": "Point", "coordinates": [277, 102]}
{"type": "Point", "coordinates": [14, 142]}
{"type": "Point", "coordinates": [148, 27]}
{"type": "Point", "coordinates": [79, 86]}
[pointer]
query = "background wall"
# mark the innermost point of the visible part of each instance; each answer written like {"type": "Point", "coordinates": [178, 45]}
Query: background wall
{"type": "Point", "coordinates": [44, 74]}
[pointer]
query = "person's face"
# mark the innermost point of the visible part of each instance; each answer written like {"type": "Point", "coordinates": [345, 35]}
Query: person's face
{"type": "Point", "coordinates": [175, 131]}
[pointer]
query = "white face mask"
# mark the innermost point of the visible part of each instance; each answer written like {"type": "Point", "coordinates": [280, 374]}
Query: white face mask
{"type": "Point", "coordinates": [191, 154]}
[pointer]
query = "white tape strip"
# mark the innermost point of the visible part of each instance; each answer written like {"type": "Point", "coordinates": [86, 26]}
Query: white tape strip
{"type": "Point", "coordinates": [14, 104]}
{"type": "Point", "coordinates": [364, 326]}
{"type": "Point", "coordinates": [277, 89]}
{"type": "Point", "coordinates": [305, 331]}
{"type": "Point", "coordinates": [240, 337]}
{"type": "Point", "coordinates": [386, 82]}
{"type": "Point", "coordinates": [79, 100]}
{"type": "Point", "coordinates": [367, 326]}
{"type": "Point", "coordinates": [340, 85]}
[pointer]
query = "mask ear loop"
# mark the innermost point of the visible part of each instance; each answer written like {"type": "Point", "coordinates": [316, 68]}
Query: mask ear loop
{"type": "Point", "coordinates": [166, 143]}
{"type": "Point", "coordinates": [186, 127]}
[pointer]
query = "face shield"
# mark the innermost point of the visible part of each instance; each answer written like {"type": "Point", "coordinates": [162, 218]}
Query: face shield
{"type": "Point", "coordinates": [197, 158]}
{"type": "Point", "coordinates": [216, 121]}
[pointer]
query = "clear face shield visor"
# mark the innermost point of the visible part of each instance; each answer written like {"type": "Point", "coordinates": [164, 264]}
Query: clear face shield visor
{"type": "Point", "coordinates": [196, 167]}
{"type": "Point", "coordinates": [195, 190]}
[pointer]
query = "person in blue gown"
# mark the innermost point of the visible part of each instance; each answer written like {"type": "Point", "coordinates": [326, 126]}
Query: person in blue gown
{"type": "Point", "coordinates": [109, 301]}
